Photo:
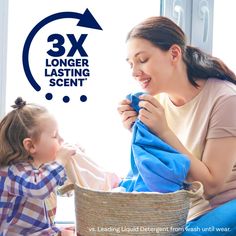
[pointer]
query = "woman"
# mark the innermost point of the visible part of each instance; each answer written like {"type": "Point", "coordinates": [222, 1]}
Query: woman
{"type": "Point", "coordinates": [193, 111]}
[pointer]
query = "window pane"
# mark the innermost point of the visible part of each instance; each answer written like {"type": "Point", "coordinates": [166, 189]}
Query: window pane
{"type": "Point", "coordinates": [224, 35]}
{"type": "Point", "coordinates": [94, 124]}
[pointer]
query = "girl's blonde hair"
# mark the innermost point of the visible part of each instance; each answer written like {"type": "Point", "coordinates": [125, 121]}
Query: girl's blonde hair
{"type": "Point", "coordinates": [20, 123]}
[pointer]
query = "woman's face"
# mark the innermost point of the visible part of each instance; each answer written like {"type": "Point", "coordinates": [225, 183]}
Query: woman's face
{"type": "Point", "coordinates": [150, 66]}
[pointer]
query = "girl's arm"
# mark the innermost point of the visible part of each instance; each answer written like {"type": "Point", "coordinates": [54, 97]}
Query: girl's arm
{"type": "Point", "coordinates": [23, 180]}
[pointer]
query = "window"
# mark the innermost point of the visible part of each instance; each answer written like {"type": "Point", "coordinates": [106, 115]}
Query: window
{"type": "Point", "coordinates": [3, 52]}
{"type": "Point", "coordinates": [95, 124]}
{"type": "Point", "coordinates": [224, 35]}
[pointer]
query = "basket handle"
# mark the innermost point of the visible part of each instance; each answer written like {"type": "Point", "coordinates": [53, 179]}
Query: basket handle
{"type": "Point", "coordinates": [195, 189]}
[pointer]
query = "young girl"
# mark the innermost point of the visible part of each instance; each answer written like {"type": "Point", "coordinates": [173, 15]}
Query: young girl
{"type": "Point", "coordinates": [32, 162]}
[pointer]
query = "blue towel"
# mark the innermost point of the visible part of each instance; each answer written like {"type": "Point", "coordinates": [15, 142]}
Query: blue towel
{"type": "Point", "coordinates": [155, 165]}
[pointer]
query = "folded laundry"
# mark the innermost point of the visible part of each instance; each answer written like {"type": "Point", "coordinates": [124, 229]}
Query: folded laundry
{"type": "Point", "coordinates": [155, 165]}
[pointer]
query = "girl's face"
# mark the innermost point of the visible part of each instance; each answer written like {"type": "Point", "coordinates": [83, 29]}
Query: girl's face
{"type": "Point", "coordinates": [49, 141]}
{"type": "Point", "coordinates": [151, 67]}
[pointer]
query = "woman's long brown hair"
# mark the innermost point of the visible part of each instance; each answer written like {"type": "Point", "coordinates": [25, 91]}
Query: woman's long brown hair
{"type": "Point", "coordinates": [163, 33]}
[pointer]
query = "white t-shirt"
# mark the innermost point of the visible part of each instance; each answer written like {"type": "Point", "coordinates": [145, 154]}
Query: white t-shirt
{"type": "Point", "coordinates": [210, 114]}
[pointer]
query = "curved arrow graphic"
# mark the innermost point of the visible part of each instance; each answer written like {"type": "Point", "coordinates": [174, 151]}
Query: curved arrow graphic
{"type": "Point", "coordinates": [85, 20]}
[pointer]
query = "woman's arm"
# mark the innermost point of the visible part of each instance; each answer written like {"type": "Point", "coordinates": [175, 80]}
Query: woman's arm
{"type": "Point", "coordinates": [218, 157]}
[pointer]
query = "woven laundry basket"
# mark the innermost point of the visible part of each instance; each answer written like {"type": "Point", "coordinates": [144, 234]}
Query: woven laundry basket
{"type": "Point", "coordinates": [120, 213]}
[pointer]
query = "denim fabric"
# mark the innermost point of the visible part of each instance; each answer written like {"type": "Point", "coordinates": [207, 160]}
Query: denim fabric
{"type": "Point", "coordinates": [220, 221]}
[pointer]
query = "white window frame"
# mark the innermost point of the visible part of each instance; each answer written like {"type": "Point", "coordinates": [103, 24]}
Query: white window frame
{"type": "Point", "coordinates": [195, 17]}
{"type": "Point", "coordinates": [3, 54]}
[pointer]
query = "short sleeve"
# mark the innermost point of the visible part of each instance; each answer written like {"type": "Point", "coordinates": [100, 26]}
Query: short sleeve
{"type": "Point", "coordinates": [223, 118]}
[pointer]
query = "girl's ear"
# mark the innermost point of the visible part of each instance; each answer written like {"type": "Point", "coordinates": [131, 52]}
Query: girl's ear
{"type": "Point", "coordinates": [29, 146]}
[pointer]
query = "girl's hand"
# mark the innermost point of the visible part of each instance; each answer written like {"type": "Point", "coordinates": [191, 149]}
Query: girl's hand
{"type": "Point", "coordinates": [64, 154]}
{"type": "Point", "coordinates": [69, 231]}
{"type": "Point", "coordinates": [127, 113]}
{"type": "Point", "coordinates": [153, 115]}
{"type": "Point", "coordinates": [75, 146]}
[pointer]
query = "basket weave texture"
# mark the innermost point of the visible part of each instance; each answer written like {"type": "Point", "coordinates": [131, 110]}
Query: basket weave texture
{"type": "Point", "coordinates": [120, 213]}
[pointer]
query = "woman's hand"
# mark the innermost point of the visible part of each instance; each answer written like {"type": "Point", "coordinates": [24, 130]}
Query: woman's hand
{"type": "Point", "coordinates": [153, 116]}
{"type": "Point", "coordinates": [127, 113]}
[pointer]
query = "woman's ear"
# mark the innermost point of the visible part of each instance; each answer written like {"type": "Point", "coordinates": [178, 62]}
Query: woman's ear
{"type": "Point", "coordinates": [29, 146]}
{"type": "Point", "coordinates": [175, 51]}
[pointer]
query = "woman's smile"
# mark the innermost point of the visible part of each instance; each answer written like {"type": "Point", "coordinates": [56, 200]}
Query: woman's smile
{"type": "Point", "coordinates": [144, 82]}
